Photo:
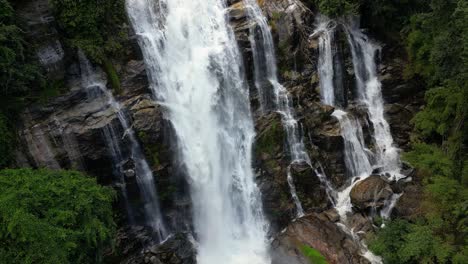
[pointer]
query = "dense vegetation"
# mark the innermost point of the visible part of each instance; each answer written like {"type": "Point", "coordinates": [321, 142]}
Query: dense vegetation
{"type": "Point", "coordinates": [95, 27]}
{"type": "Point", "coordinates": [19, 73]}
{"type": "Point", "coordinates": [53, 217]}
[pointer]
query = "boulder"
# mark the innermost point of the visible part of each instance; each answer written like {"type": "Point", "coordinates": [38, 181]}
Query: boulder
{"type": "Point", "coordinates": [371, 192]}
{"type": "Point", "coordinates": [316, 231]}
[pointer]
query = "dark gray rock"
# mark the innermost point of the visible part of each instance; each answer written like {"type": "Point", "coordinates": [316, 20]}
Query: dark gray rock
{"type": "Point", "coordinates": [370, 193]}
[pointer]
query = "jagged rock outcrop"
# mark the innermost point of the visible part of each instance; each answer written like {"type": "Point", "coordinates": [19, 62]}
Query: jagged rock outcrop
{"type": "Point", "coordinates": [319, 232]}
{"type": "Point", "coordinates": [271, 164]}
{"type": "Point", "coordinates": [41, 31]}
{"type": "Point", "coordinates": [134, 246]}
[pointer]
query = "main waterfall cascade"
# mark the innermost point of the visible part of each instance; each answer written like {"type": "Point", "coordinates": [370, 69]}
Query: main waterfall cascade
{"type": "Point", "coordinates": [96, 90]}
{"type": "Point", "coordinates": [195, 73]}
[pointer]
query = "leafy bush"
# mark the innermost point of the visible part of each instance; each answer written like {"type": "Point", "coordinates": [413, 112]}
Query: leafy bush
{"type": "Point", "coordinates": [429, 158]}
{"type": "Point", "coordinates": [53, 217]}
{"type": "Point", "coordinates": [401, 242]}
{"type": "Point", "coordinates": [336, 8]}
{"type": "Point", "coordinates": [18, 72]}
{"type": "Point", "coordinates": [94, 26]}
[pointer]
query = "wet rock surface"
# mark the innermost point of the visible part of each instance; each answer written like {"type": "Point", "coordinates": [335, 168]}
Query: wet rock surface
{"type": "Point", "coordinates": [134, 247]}
{"type": "Point", "coordinates": [370, 193]}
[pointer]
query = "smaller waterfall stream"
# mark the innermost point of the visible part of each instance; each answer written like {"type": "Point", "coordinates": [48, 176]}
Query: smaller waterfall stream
{"type": "Point", "coordinates": [364, 52]}
{"type": "Point", "coordinates": [360, 162]}
{"type": "Point", "coordinates": [274, 95]}
{"type": "Point", "coordinates": [97, 90]}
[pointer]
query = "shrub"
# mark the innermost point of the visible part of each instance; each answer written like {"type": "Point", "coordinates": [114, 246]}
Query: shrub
{"type": "Point", "coordinates": [53, 217]}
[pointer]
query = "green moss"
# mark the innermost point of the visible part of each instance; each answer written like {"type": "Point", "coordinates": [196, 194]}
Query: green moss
{"type": "Point", "coordinates": [151, 150]}
{"type": "Point", "coordinates": [270, 138]}
{"type": "Point", "coordinates": [314, 256]}
{"type": "Point", "coordinates": [283, 64]}
{"type": "Point", "coordinates": [112, 76]}
{"type": "Point", "coordinates": [52, 88]}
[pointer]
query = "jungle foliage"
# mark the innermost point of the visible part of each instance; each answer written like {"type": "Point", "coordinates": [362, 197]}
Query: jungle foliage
{"type": "Point", "coordinates": [53, 217]}
{"type": "Point", "coordinates": [94, 26]}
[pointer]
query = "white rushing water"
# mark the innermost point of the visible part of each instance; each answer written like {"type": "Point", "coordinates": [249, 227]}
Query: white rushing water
{"type": "Point", "coordinates": [274, 96]}
{"type": "Point", "coordinates": [360, 161]}
{"type": "Point", "coordinates": [97, 90]}
{"type": "Point", "coordinates": [196, 73]}
{"type": "Point", "coordinates": [326, 29]}
{"type": "Point", "coordinates": [364, 52]}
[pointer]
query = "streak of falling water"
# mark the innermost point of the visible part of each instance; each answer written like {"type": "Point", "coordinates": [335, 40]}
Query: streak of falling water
{"type": "Point", "coordinates": [326, 29]}
{"type": "Point", "coordinates": [274, 95]}
{"type": "Point", "coordinates": [356, 159]}
{"type": "Point", "coordinates": [97, 90]}
{"type": "Point", "coordinates": [357, 155]}
{"type": "Point", "coordinates": [196, 73]}
{"type": "Point", "coordinates": [364, 53]}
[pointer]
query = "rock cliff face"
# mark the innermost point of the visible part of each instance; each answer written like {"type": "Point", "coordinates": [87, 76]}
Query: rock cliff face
{"type": "Point", "coordinates": [68, 133]}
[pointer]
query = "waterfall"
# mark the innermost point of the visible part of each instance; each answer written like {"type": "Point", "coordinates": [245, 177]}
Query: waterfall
{"type": "Point", "coordinates": [272, 93]}
{"type": "Point", "coordinates": [97, 90]}
{"type": "Point", "coordinates": [356, 159]}
{"type": "Point", "coordinates": [364, 53]}
{"type": "Point", "coordinates": [360, 161]}
{"type": "Point", "coordinates": [325, 28]}
{"type": "Point", "coordinates": [196, 74]}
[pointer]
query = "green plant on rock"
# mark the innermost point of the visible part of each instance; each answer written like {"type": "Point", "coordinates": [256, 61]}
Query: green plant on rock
{"type": "Point", "coordinates": [270, 138]}
{"type": "Point", "coordinates": [53, 217]}
{"type": "Point", "coordinates": [313, 255]}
